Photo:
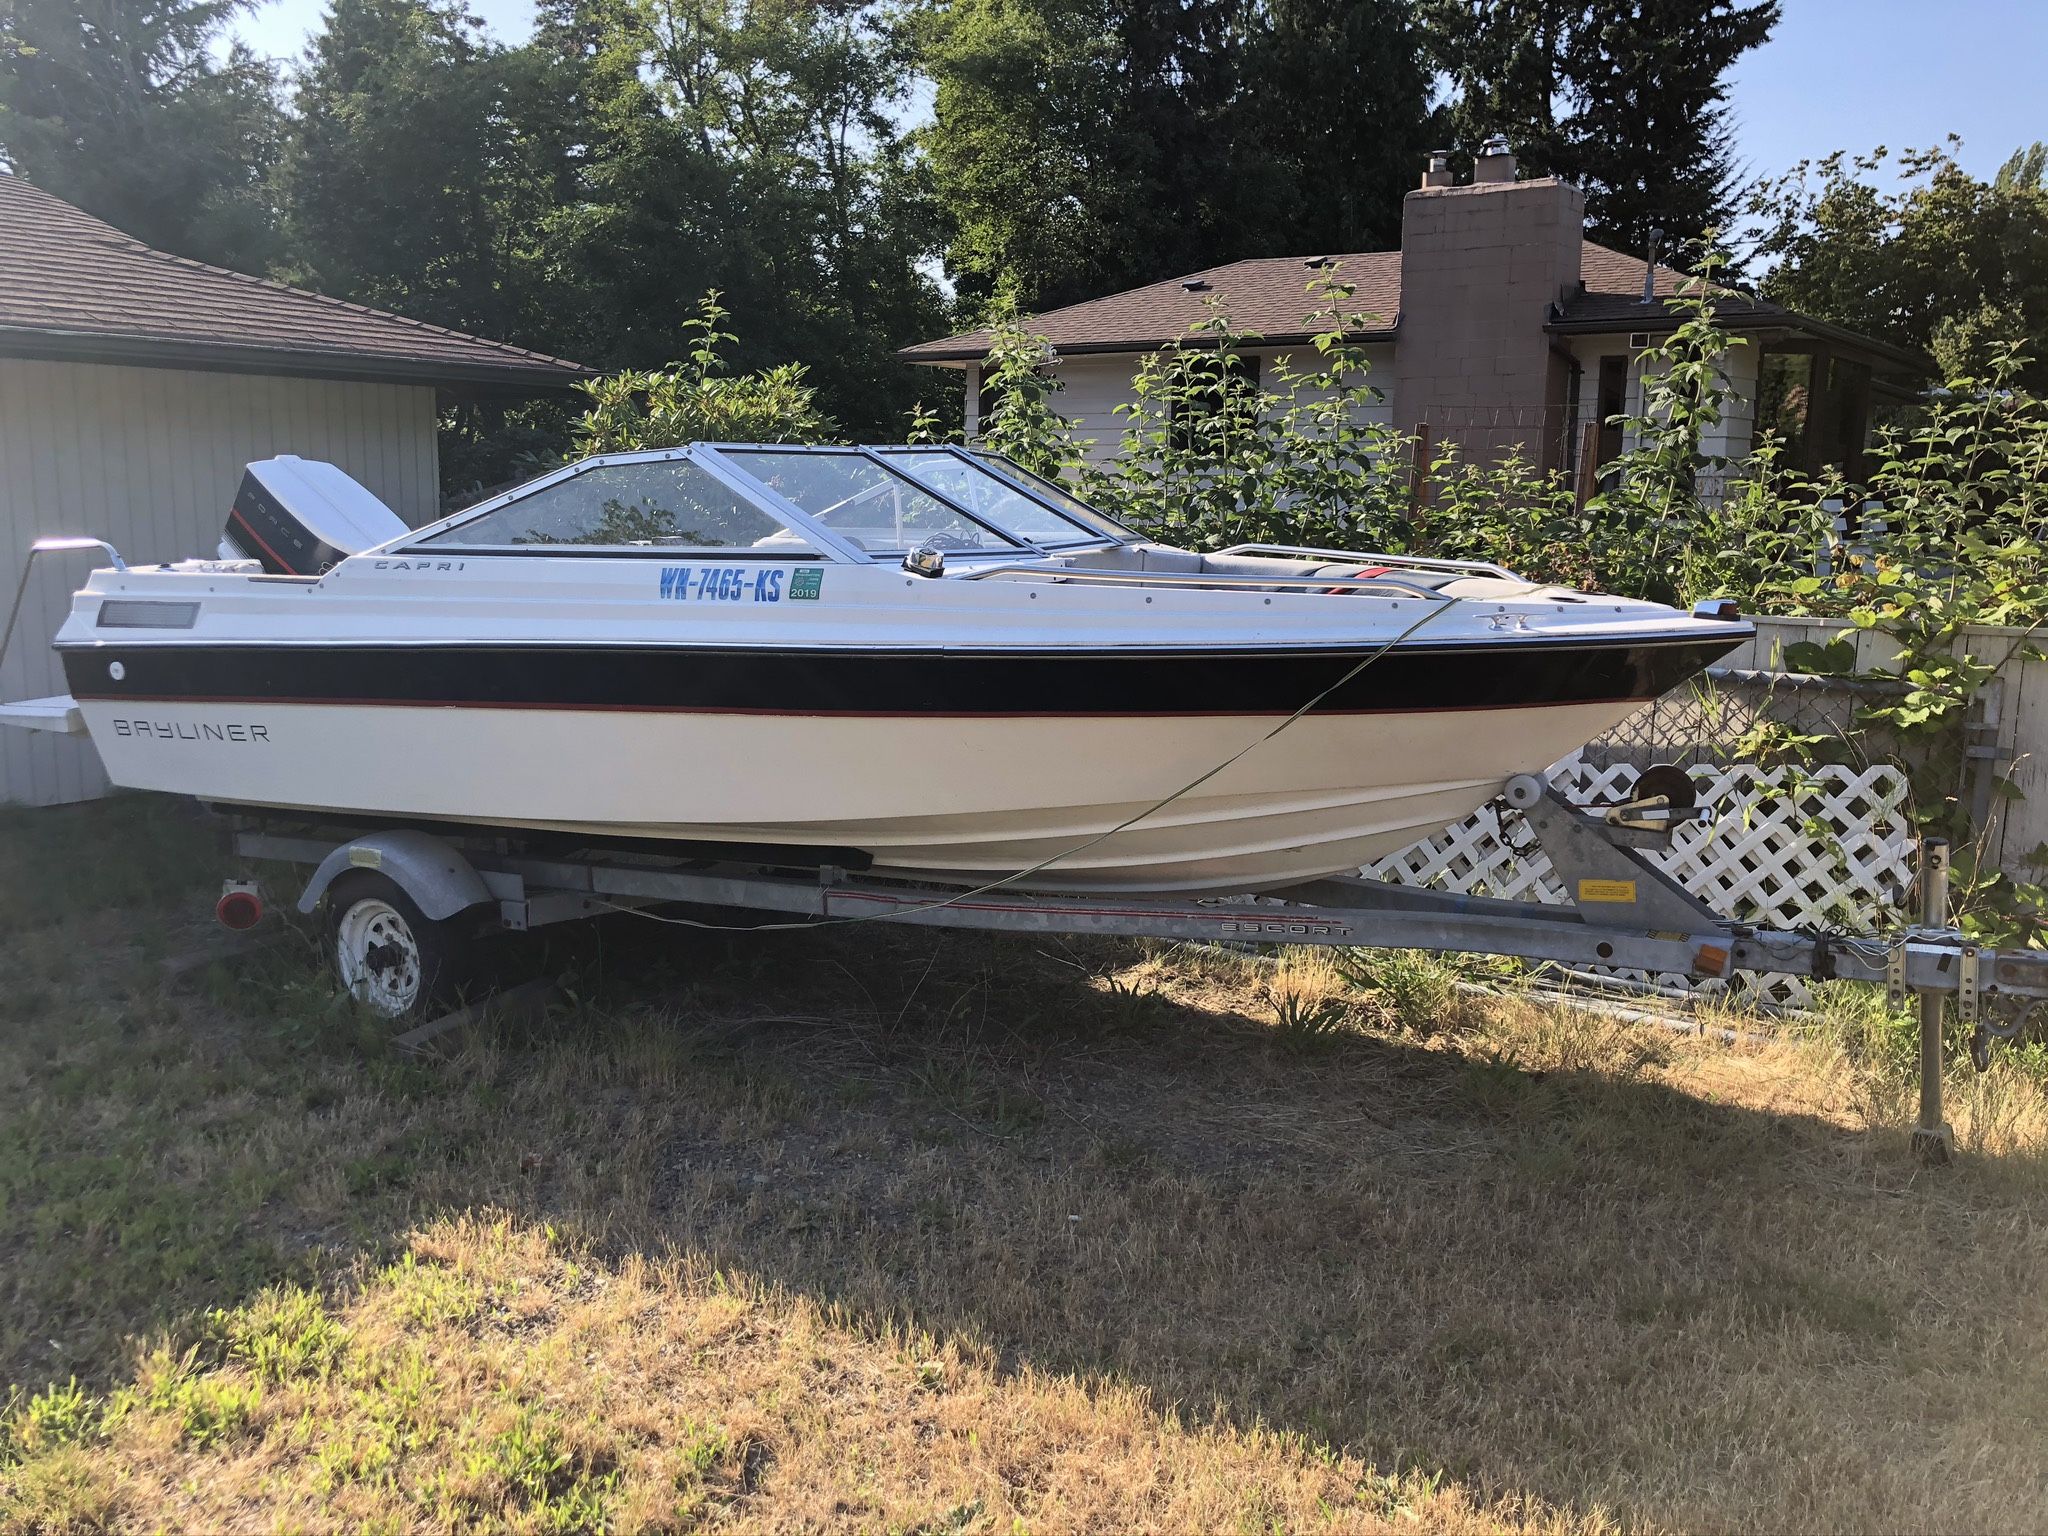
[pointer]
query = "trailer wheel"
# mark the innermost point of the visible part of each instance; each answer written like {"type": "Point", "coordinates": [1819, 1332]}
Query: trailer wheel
{"type": "Point", "coordinates": [389, 954]}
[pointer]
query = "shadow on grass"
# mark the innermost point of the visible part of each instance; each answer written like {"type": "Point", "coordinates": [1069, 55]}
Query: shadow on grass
{"type": "Point", "coordinates": [1520, 1252]}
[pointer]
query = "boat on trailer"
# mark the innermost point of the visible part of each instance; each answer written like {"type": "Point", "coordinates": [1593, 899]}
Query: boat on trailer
{"type": "Point", "coordinates": [915, 661]}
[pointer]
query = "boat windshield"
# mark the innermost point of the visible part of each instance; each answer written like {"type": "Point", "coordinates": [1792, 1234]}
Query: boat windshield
{"type": "Point", "coordinates": [663, 503]}
{"type": "Point", "coordinates": [865, 502]}
{"type": "Point", "coordinates": [1054, 492]}
{"type": "Point", "coordinates": [990, 497]}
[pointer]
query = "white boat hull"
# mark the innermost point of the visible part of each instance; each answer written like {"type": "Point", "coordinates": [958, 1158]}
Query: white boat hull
{"type": "Point", "coordinates": [966, 716]}
{"type": "Point", "coordinates": [962, 800]}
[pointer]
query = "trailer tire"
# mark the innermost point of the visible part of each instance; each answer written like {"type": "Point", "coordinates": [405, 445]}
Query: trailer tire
{"type": "Point", "coordinates": [390, 956]}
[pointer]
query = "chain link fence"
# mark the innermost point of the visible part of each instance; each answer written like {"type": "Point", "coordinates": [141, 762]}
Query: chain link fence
{"type": "Point", "coordinates": [1718, 719]}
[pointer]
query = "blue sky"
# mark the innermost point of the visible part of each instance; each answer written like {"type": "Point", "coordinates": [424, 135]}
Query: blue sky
{"type": "Point", "coordinates": [1836, 74]}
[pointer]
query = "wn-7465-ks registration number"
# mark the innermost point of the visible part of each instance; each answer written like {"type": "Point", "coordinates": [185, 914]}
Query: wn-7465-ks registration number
{"type": "Point", "coordinates": [736, 583]}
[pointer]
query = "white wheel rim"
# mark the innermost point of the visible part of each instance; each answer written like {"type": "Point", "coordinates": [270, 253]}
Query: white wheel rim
{"type": "Point", "coordinates": [378, 956]}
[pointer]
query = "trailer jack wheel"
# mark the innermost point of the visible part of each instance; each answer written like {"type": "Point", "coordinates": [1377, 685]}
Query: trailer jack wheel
{"type": "Point", "coordinates": [389, 955]}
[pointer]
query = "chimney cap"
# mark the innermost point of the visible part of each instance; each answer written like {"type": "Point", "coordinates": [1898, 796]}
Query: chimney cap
{"type": "Point", "coordinates": [1439, 172]}
{"type": "Point", "coordinates": [1495, 161]}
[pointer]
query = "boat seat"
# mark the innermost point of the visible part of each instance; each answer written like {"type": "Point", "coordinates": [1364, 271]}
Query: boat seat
{"type": "Point", "coordinates": [1496, 589]}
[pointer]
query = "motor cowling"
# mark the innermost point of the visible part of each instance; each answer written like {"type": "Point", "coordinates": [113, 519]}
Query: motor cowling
{"type": "Point", "coordinates": [300, 517]}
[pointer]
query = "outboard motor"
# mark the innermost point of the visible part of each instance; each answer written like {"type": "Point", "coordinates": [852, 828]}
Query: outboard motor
{"type": "Point", "coordinates": [299, 517]}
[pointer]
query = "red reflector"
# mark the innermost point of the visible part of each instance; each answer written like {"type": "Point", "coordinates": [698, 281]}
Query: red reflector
{"type": "Point", "coordinates": [239, 910]}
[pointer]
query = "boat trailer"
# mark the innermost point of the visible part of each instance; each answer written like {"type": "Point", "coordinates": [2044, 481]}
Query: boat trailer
{"type": "Point", "coordinates": [1622, 910]}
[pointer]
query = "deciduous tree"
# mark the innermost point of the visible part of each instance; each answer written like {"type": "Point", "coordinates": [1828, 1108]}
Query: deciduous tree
{"type": "Point", "coordinates": [1938, 261]}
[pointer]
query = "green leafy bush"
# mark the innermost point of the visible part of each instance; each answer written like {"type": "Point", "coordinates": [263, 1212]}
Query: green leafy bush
{"type": "Point", "coordinates": [1953, 531]}
{"type": "Point", "coordinates": [696, 401]}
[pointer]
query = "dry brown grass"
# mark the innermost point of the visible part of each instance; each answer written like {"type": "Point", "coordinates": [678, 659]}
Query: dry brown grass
{"type": "Point", "coordinates": [899, 1231]}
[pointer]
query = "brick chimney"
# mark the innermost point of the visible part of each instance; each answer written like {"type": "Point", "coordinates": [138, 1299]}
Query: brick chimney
{"type": "Point", "coordinates": [1480, 267]}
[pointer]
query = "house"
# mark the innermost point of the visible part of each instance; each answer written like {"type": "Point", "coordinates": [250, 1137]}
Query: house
{"type": "Point", "coordinates": [1497, 325]}
{"type": "Point", "coordinates": [133, 387]}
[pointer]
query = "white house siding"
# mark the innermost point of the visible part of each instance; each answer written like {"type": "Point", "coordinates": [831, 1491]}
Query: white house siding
{"type": "Point", "coordinates": [1730, 439]}
{"type": "Point", "coordinates": [1380, 361]}
{"type": "Point", "coordinates": [1093, 386]}
{"type": "Point", "coordinates": [149, 458]}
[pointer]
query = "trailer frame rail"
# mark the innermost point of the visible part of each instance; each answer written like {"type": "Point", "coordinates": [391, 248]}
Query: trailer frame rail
{"type": "Point", "coordinates": [1624, 911]}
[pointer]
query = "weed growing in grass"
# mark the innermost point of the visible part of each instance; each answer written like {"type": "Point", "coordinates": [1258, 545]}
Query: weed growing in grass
{"type": "Point", "coordinates": [1399, 1495]}
{"type": "Point", "coordinates": [1304, 1020]}
{"type": "Point", "coordinates": [1133, 1001]}
{"type": "Point", "coordinates": [285, 1335]}
{"type": "Point", "coordinates": [528, 1467]}
{"type": "Point", "coordinates": [357, 1453]}
{"type": "Point", "coordinates": [1307, 995]}
{"type": "Point", "coordinates": [430, 1295]}
{"type": "Point", "coordinates": [1858, 1020]}
{"type": "Point", "coordinates": [702, 1448]}
{"type": "Point", "coordinates": [209, 1410]}
{"type": "Point", "coordinates": [1417, 988]}
{"type": "Point", "coordinates": [34, 1425]}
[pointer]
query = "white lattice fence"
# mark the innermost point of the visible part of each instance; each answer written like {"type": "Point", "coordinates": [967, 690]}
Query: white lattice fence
{"type": "Point", "coordinates": [1790, 848]}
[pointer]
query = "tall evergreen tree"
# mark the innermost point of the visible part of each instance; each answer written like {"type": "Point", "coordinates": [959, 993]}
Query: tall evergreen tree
{"type": "Point", "coordinates": [1080, 145]}
{"type": "Point", "coordinates": [1335, 100]}
{"type": "Point", "coordinates": [123, 107]}
{"type": "Point", "coordinates": [1625, 97]}
{"type": "Point", "coordinates": [400, 173]}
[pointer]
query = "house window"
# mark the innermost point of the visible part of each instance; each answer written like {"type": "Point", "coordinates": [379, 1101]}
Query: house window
{"type": "Point", "coordinates": [1611, 403]}
{"type": "Point", "coordinates": [1845, 428]}
{"type": "Point", "coordinates": [1819, 404]}
{"type": "Point", "coordinates": [1223, 393]}
{"type": "Point", "coordinates": [1784, 402]}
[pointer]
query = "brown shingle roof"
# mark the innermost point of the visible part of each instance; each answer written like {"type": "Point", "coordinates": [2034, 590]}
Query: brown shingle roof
{"type": "Point", "coordinates": [74, 287]}
{"type": "Point", "coordinates": [1268, 297]}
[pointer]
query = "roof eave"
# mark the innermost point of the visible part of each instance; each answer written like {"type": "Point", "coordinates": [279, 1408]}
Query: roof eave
{"type": "Point", "coordinates": [958, 356]}
{"type": "Point", "coordinates": [44, 344]}
{"type": "Point", "coordinates": [1658, 318]}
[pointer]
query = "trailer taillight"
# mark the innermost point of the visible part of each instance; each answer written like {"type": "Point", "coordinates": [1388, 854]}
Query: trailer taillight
{"type": "Point", "coordinates": [240, 906]}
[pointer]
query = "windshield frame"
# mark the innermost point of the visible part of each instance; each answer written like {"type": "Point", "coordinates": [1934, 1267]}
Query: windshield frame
{"type": "Point", "coordinates": [724, 463]}
{"type": "Point", "coordinates": [734, 454]}
{"type": "Point", "coordinates": [825, 544]}
{"type": "Point", "coordinates": [1086, 537]}
{"type": "Point", "coordinates": [1001, 464]}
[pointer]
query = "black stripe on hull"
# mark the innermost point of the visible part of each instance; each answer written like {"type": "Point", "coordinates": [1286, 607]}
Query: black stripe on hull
{"type": "Point", "coordinates": [1408, 679]}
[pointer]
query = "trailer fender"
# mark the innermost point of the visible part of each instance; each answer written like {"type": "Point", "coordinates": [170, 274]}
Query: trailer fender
{"type": "Point", "coordinates": [440, 881]}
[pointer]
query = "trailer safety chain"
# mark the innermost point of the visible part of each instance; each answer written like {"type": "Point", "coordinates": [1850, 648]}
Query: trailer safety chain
{"type": "Point", "coordinates": [1505, 819]}
{"type": "Point", "coordinates": [1429, 615]}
